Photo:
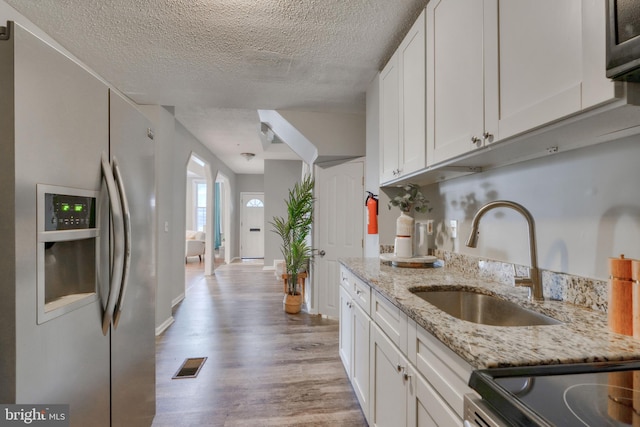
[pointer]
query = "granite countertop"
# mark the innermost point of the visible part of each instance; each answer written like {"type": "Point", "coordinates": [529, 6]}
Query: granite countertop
{"type": "Point", "coordinates": [582, 337]}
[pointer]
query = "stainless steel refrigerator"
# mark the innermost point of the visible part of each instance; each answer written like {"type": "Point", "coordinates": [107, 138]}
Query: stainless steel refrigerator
{"type": "Point", "coordinates": [77, 248]}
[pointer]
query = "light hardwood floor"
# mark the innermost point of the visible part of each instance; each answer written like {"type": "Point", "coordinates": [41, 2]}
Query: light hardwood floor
{"type": "Point", "coordinates": [264, 367]}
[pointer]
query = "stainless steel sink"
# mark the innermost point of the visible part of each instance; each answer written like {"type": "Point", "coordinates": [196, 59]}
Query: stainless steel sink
{"type": "Point", "coordinates": [483, 309]}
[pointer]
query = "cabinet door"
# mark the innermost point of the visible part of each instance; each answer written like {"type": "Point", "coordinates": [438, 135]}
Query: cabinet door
{"type": "Point", "coordinates": [426, 407]}
{"type": "Point", "coordinates": [596, 88]}
{"type": "Point", "coordinates": [388, 392]}
{"type": "Point", "coordinates": [345, 341]}
{"type": "Point", "coordinates": [360, 359]}
{"type": "Point", "coordinates": [455, 77]}
{"type": "Point", "coordinates": [540, 66]}
{"type": "Point", "coordinates": [389, 120]}
{"type": "Point", "coordinates": [412, 52]}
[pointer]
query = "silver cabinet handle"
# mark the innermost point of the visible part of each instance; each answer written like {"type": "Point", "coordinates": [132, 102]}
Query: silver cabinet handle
{"type": "Point", "coordinates": [475, 140]}
{"type": "Point", "coordinates": [127, 241]}
{"type": "Point", "coordinates": [487, 136]}
{"type": "Point", "coordinates": [118, 244]}
{"type": "Point", "coordinates": [399, 368]}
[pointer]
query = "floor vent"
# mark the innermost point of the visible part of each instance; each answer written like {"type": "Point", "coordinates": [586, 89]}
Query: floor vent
{"type": "Point", "coordinates": [190, 368]}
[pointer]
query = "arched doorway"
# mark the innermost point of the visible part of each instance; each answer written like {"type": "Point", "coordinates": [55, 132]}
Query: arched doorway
{"type": "Point", "coordinates": [199, 212]}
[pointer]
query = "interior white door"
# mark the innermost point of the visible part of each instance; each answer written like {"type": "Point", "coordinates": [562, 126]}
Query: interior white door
{"type": "Point", "coordinates": [252, 225]}
{"type": "Point", "coordinates": [338, 228]}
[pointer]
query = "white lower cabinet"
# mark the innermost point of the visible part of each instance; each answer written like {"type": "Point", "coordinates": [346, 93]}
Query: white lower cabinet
{"type": "Point", "coordinates": [446, 372]}
{"type": "Point", "coordinates": [354, 346]}
{"type": "Point", "coordinates": [389, 382]}
{"type": "Point", "coordinates": [345, 341]}
{"type": "Point", "coordinates": [401, 374]}
{"type": "Point", "coordinates": [360, 371]}
{"type": "Point", "coordinates": [426, 407]}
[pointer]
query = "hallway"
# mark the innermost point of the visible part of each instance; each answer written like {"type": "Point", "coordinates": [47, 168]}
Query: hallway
{"type": "Point", "coordinates": [264, 367]}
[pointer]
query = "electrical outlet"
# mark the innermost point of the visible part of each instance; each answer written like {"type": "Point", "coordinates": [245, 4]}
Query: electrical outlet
{"type": "Point", "coordinates": [453, 228]}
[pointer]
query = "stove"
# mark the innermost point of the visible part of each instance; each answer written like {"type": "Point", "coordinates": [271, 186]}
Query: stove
{"type": "Point", "coordinates": [586, 394]}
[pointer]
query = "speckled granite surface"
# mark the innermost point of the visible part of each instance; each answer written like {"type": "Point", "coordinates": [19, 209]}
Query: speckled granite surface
{"type": "Point", "coordinates": [590, 293]}
{"type": "Point", "coordinates": [583, 337]}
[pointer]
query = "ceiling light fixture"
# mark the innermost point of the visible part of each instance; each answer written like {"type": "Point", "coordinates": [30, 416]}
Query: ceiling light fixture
{"type": "Point", "coordinates": [248, 156]}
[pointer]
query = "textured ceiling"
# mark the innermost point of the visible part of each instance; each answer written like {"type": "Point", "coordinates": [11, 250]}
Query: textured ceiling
{"type": "Point", "coordinates": [217, 61]}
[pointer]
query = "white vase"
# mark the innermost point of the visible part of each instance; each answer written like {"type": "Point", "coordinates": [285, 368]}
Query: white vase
{"type": "Point", "coordinates": [404, 225]}
{"type": "Point", "coordinates": [404, 236]}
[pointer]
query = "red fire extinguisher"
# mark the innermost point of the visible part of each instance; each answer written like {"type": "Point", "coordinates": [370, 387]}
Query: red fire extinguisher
{"type": "Point", "coordinates": [372, 209]}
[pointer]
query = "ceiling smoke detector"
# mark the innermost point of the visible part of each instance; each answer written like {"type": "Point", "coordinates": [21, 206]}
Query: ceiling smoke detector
{"type": "Point", "coordinates": [248, 156]}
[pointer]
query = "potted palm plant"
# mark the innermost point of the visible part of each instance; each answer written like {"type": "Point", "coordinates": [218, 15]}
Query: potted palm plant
{"type": "Point", "coordinates": [294, 231]}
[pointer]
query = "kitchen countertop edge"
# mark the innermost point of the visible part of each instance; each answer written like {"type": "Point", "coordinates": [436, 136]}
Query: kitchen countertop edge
{"type": "Point", "coordinates": [582, 337]}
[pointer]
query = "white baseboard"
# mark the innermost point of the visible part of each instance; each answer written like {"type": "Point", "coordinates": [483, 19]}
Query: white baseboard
{"type": "Point", "coordinates": [177, 300]}
{"type": "Point", "coordinates": [165, 325]}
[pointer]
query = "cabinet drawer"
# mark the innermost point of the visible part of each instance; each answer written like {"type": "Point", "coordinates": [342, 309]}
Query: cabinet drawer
{"type": "Point", "coordinates": [447, 372]}
{"type": "Point", "coordinates": [345, 277]}
{"type": "Point", "coordinates": [391, 320]}
{"type": "Point", "coordinates": [361, 293]}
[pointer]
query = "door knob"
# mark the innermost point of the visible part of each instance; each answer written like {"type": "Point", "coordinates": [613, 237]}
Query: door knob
{"type": "Point", "coordinates": [321, 252]}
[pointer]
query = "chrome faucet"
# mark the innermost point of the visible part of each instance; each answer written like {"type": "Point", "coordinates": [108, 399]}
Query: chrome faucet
{"type": "Point", "coordinates": [533, 282]}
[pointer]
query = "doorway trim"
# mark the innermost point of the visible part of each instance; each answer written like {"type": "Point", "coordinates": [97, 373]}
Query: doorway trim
{"type": "Point", "coordinates": [226, 215]}
{"type": "Point", "coordinates": [208, 252]}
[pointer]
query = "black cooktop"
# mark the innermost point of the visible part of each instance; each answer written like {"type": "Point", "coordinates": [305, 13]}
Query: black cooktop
{"type": "Point", "coordinates": [585, 394]}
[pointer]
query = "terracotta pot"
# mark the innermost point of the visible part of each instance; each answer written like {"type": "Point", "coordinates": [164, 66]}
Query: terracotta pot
{"type": "Point", "coordinates": [292, 303]}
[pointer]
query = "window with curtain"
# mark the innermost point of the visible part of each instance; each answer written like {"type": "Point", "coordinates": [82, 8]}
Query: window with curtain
{"type": "Point", "coordinates": [201, 206]}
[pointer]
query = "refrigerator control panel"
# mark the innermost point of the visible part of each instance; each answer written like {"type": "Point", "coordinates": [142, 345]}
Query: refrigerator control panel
{"type": "Point", "coordinates": [67, 212]}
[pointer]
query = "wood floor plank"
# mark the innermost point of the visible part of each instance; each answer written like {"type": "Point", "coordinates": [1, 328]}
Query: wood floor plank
{"type": "Point", "coordinates": [264, 367]}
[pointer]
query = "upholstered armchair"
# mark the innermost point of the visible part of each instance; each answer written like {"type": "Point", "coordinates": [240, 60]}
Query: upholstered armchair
{"type": "Point", "coordinates": [195, 241]}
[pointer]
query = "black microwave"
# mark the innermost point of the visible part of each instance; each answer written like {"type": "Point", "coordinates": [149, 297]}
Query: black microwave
{"type": "Point", "coordinates": [623, 40]}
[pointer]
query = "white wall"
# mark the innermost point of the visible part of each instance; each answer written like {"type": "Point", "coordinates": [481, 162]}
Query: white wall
{"type": "Point", "coordinates": [372, 169]}
{"type": "Point", "coordinates": [170, 262]}
{"type": "Point", "coordinates": [586, 205]}
{"type": "Point", "coordinates": [335, 135]}
{"type": "Point", "coordinates": [279, 176]}
{"type": "Point", "coordinates": [249, 184]}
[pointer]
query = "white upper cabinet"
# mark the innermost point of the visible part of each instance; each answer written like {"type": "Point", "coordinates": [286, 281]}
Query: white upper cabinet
{"type": "Point", "coordinates": [402, 107]}
{"type": "Point", "coordinates": [497, 69]}
{"type": "Point", "coordinates": [389, 120]}
{"type": "Point", "coordinates": [455, 77]}
{"type": "Point", "coordinates": [548, 71]}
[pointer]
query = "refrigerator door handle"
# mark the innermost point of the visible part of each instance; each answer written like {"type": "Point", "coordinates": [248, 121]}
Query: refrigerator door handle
{"type": "Point", "coordinates": [127, 242]}
{"type": "Point", "coordinates": [118, 244]}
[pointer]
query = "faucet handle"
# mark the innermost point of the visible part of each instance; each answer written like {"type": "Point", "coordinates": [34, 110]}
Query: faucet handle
{"type": "Point", "coordinates": [523, 281]}
{"type": "Point", "coordinates": [526, 282]}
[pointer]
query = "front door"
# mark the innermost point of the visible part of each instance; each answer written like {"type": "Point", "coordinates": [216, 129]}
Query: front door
{"type": "Point", "coordinates": [338, 228]}
{"type": "Point", "coordinates": [252, 225]}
